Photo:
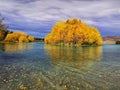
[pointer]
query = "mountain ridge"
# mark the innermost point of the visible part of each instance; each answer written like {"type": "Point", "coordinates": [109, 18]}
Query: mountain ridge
{"type": "Point", "coordinates": [111, 39]}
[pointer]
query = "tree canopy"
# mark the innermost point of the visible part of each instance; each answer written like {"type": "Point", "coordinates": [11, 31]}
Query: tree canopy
{"type": "Point", "coordinates": [18, 37]}
{"type": "Point", "coordinates": [73, 32]}
{"type": "Point", "coordinates": [7, 36]}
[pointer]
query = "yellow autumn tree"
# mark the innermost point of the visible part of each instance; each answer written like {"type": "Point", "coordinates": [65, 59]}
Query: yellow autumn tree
{"type": "Point", "coordinates": [18, 37]}
{"type": "Point", "coordinates": [73, 32]}
{"type": "Point", "coordinates": [23, 39]}
{"type": "Point", "coordinates": [10, 38]}
{"type": "Point", "coordinates": [31, 38]}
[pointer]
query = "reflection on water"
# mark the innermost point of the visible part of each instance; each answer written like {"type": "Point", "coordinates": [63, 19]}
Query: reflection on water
{"type": "Point", "coordinates": [80, 57]}
{"type": "Point", "coordinates": [15, 47]}
{"type": "Point", "coordinates": [35, 66]}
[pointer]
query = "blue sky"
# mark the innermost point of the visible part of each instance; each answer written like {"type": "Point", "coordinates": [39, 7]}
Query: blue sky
{"type": "Point", "coordinates": [36, 17]}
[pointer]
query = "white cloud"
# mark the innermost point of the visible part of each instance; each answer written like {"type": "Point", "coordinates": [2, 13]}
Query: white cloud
{"type": "Point", "coordinates": [48, 10]}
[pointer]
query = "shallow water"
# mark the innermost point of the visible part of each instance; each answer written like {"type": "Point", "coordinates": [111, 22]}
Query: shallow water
{"type": "Point", "coordinates": [35, 66]}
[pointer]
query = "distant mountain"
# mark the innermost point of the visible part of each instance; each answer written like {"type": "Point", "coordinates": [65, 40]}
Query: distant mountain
{"type": "Point", "coordinates": [111, 39]}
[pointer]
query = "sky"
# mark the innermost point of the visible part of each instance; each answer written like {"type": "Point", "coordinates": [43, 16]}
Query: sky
{"type": "Point", "coordinates": [37, 17]}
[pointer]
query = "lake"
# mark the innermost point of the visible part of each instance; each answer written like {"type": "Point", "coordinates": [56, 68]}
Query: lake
{"type": "Point", "coordinates": [35, 66]}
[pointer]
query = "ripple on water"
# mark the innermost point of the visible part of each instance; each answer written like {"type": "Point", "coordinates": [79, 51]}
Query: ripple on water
{"type": "Point", "coordinates": [59, 68]}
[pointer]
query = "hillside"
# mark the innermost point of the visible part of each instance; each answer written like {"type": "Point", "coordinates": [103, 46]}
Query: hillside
{"type": "Point", "coordinates": [110, 39]}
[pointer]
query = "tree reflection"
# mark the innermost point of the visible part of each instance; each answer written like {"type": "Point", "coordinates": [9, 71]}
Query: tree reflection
{"type": "Point", "coordinates": [74, 56]}
{"type": "Point", "coordinates": [2, 47]}
{"type": "Point", "coordinates": [15, 47]}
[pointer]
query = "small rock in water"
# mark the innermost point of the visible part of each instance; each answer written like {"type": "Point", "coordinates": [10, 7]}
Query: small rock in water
{"type": "Point", "coordinates": [22, 87]}
{"type": "Point", "coordinates": [65, 87]}
{"type": "Point", "coordinates": [100, 75]}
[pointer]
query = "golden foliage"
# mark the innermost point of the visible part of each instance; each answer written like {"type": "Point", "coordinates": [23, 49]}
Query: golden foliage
{"type": "Point", "coordinates": [10, 38]}
{"type": "Point", "coordinates": [23, 39]}
{"type": "Point", "coordinates": [73, 32]}
{"type": "Point", "coordinates": [31, 38]}
{"type": "Point", "coordinates": [18, 37]}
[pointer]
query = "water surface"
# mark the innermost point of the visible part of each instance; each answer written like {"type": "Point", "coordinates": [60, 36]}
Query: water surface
{"type": "Point", "coordinates": [35, 66]}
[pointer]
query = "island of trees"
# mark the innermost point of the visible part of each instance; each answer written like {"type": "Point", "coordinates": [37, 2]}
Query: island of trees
{"type": "Point", "coordinates": [73, 32]}
{"type": "Point", "coordinates": [8, 36]}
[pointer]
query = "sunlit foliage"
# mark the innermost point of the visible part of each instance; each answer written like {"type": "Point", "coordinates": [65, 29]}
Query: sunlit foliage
{"type": "Point", "coordinates": [7, 36]}
{"type": "Point", "coordinates": [31, 38]}
{"type": "Point", "coordinates": [73, 32]}
{"type": "Point", "coordinates": [18, 37]}
{"type": "Point", "coordinates": [23, 39]}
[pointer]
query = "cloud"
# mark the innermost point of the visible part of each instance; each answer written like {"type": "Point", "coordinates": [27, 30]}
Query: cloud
{"type": "Point", "coordinates": [46, 10]}
{"type": "Point", "coordinates": [41, 13]}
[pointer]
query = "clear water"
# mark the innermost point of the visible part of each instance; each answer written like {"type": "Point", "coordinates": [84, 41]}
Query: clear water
{"type": "Point", "coordinates": [35, 66]}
